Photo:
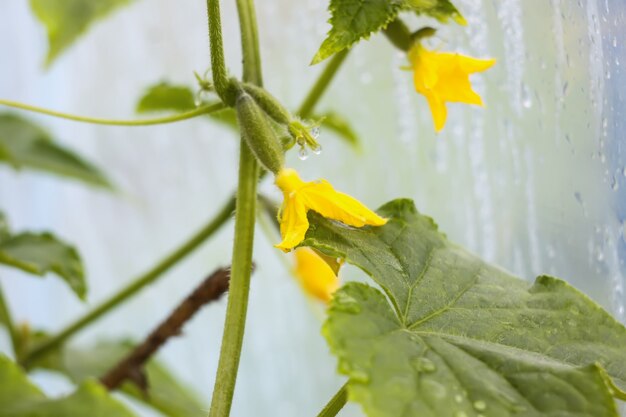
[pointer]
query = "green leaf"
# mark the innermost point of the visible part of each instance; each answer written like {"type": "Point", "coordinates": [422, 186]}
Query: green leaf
{"type": "Point", "coordinates": [353, 20]}
{"type": "Point", "coordinates": [67, 20]}
{"type": "Point", "coordinates": [166, 97]}
{"type": "Point", "coordinates": [341, 127]}
{"type": "Point", "coordinates": [454, 336]}
{"type": "Point", "coordinates": [165, 393]}
{"type": "Point", "coordinates": [42, 253]}
{"type": "Point", "coordinates": [20, 398]}
{"type": "Point", "coordinates": [23, 144]}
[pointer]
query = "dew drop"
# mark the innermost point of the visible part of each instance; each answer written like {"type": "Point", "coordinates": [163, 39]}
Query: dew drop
{"type": "Point", "coordinates": [315, 132]}
{"type": "Point", "coordinates": [303, 154]}
{"type": "Point", "coordinates": [422, 364]}
{"type": "Point", "coordinates": [434, 389]}
{"type": "Point", "coordinates": [480, 405]}
{"type": "Point", "coordinates": [317, 149]}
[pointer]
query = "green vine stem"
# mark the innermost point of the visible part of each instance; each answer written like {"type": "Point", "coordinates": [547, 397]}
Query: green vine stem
{"type": "Point", "coordinates": [139, 122]}
{"type": "Point", "coordinates": [148, 278]}
{"type": "Point", "coordinates": [322, 84]}
{"type": "Point", "coordinates": [245, 214]}
{"type": "Point", "coordinates": [237, 306]}
{"type": "Point", "coordinates": [7, 320]}
{"type": "Point", "coordinates": [336, 403]}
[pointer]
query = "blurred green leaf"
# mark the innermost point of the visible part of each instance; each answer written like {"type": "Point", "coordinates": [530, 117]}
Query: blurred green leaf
{"type": "Point", "coordinates": [23, 144]}
{"type": "Point", "coordinates": [20, 398]}
{"type": "Point", "coordinates": [341, 127]}
{"type": "Point", "coordinates": [178, 98]}
{"type": "Point", "coordinates": [454, 336]}
{"type": "Point", "coordinates": [353, 20]}
{"type": "Point", "coordinates": [67, 20]}
{"type": "Point", "coordinates": [166, 97]}
{"type": "Point", "coordinates": [40, 253]}
{"type": "Point", "coordinates": [164, 394]}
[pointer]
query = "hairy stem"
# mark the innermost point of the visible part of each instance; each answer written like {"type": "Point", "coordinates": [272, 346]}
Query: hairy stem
{"type": "Point", "coordinates": [218, 65]}
{"type": "Point", "coordinates": [139, 122]}
{"type": "Point", "coordinates": [322, 84]}
{"type": "Point", "coordinates": [125, 293]}
{"type": "Point", "coordinates": [131, 366]}
{"type": "Point", "coordinates": [237, 307]}
{"type": "Point", "coordinates": [336, 403]}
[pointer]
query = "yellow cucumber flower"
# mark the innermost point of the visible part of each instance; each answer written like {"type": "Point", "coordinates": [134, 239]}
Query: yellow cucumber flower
{"type": "Point", "coordinates": [444, 76]}
{"type": "Point", "coordinates": [315, 275]}
{"type": "Point", "coordinates": [320, 196]}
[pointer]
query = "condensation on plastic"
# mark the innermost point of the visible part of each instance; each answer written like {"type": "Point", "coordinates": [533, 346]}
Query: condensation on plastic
{"type": "Point", "coordinates": [535, 181]}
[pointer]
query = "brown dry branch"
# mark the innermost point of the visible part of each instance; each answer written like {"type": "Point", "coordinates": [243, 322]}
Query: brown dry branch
{"type": "Point", "coordinates": [131, 367]}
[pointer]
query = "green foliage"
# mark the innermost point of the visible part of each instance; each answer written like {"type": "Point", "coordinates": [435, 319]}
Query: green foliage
{"type": "Point", "coordinates": [40, 253]}
{"type": "Point", "coordinates": [20, 398]}
{"type": "Point", "coordinates": [67, 20]}
{"type": "Point", "coordinates": [353, 20]}
{"type": "Point", "coordinates": [452, 334]}
{"type": "Point", "coordinates": [23, 144]}
{"type": "Point", "coordinates": [166, 97]}
{"type": "Point", "coordinates": [164, 393]}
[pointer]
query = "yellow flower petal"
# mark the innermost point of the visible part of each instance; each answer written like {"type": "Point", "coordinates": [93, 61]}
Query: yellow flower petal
{"type": "Point", "coordinates": [315, 275]}
{"type": "Point", "coordinates": [444, 77]}
{"type": "Point", "coordinates": [300, 197]}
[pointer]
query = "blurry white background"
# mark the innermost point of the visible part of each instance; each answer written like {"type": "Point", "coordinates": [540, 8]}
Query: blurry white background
{"type": "Point", "coordinates": [535, 181]}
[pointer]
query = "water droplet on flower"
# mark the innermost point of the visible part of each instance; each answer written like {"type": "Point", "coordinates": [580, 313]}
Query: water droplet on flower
{"type": "Point", "coordinates": [480, 405]}
{"type": "Point", "coordinates": [315, 132]}
{"type": "Point", "coordinates": [303, 154]}
{"type": "Point", "coordinates": [317, 149]}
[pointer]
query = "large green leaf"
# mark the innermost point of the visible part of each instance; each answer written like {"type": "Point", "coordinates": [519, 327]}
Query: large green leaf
{"type": "Point", "coordinates": [20, 398]}
{"type": "Point", "coordinates": [23, 144]}
{"type": "Point", "coordinates": [67, 20]}
{"type": "Point", "coordinates": [353, 20]}
{"type": "Point", "coordinates": [164, 392]}
{"type": "Point", "coordinates": [452, 336]}
{"type": "Point", "coordinates": [40, 253]}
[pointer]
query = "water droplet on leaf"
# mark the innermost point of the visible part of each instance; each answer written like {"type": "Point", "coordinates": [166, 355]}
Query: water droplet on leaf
{"type": "Point", "coordinates": [480, 405]}
{"type": "Point", "coordinates": [434, 389]}
{"type": "Point", "coordinates": [422, 364]}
